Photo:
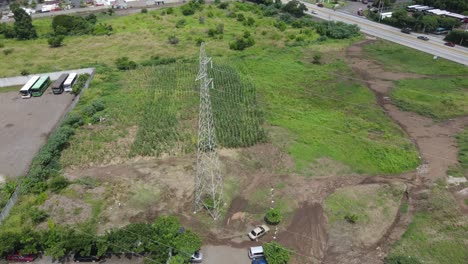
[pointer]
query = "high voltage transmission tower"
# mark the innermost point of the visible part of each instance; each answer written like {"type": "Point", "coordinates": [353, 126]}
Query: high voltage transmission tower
{"type": "Point", "coordinates": [208, 180]}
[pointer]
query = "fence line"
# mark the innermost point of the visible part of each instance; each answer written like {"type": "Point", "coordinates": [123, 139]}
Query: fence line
{"type": "Point", "coordinates": [14, 198]}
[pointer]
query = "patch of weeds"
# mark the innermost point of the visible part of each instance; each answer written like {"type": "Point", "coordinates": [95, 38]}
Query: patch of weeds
{"type": "Point", "coordinates": [404, 208]}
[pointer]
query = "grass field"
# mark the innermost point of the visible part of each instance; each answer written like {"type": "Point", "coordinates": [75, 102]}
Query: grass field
{"type": "Point", "coordinates": [324, 114]}
{"type": "Point", "coordinates": [14, 88]}
{"type": "Point", "coordinates": [440, 98]}
{"type": "Point", "coordinates": [438, 233]}
{"type": "Point", "coordinates": [395, 57]}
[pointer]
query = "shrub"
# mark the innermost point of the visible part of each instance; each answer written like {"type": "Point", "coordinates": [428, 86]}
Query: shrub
{"type": "Point", "coordinates": [316, 58]}
{"type": "Point", "coordinates": [276, 254]}
{"type": "Point", "coordinates": [98, 105]}
{"type": "Point", "coordinates": [170, 11]}
{"type": "Point", "coordinates": [249, 22]}
{"type": "Point", "coordinates": [173, 40]}
{"type": "Point", "coordinates": [8, 51]}
{"type": "Point", "coordinates": [58, 183]}
{"type": "Point", "coordinates": [223, 5]}
{"type": "Point", "coordinates": [401, 260]}
{"type": "Point", "coordinates": [190, 8]}
{"type": "Point", "coordinates": [124, 63]}
{"type": "Point", "coordinates": [144, 10]}
{"type": "Point", "coordinates": [199, 41]}
{"type": "Point", "coordinates": [201, 20]}
{"type": "Point", "coordinates": [273, 216]}
{"type": "Point", "coordinates": [73, 120]}
{"type": "Point", "coordinates": [55, 41]}
{"type": "Point", "coordinates": [280, 25]}
{"type": "Point", "coordinates": [24, 72]}
{"type": "Point", "coordinates": [2, 45]}
{"type": "Point", "coordinates": [102, 29]}
{"type": "Point", "coordinates": [156, 60]}
{"type": "Point", "coordinates": [220, 28]}
{"type": "Point", "coordinates": [351, 218]}
{"type": "Point", "coordinates": [80, 83]}
{"type": "Point", "coordinates": [70, 25]}
{"type": "Point", "coordinates": [211, 32]}
{"type": "Point", "coordinates": [91, 18]}
{"type": "Point", "coordinates": [240, 17]}
{"type": "Point", "coordinates": [181, 23]}
{"type": "Point", "coordinates": [287, 18]}
{"type": "Point", "coordinates": [89, 111]}
{"type": "Point", "coordinates": [37, 215]}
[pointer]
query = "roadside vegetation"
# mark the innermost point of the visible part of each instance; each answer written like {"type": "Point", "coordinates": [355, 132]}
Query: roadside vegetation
{"type": "Point", "coordinates": [398, 58]}
{"type": "Point", "coordinates": [440, 98]}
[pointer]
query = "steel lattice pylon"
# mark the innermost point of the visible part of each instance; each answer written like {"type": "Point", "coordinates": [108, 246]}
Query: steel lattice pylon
{"type": "Point", "coordinates": [208, 180]}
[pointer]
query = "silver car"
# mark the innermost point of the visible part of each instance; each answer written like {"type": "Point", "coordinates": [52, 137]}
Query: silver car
{"type": "Point", "coordinates": [258, 231]}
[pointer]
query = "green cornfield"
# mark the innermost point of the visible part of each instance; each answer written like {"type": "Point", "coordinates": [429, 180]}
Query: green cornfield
{"type": "Point", "coordinates": [170, 105]}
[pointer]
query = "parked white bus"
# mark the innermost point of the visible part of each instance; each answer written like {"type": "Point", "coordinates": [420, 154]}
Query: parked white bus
{"type": "Point", "coordinates": [68, 84]}
{"type": "Point", "coordinates": [26, 89]}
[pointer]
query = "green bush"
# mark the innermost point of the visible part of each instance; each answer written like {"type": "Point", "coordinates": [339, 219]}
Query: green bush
{"type": "Point", "coordinates": [70, 25]}
{"type": "Point", "coordinates": [102, 29]}
{"type": "Point", "coordinates": [144, 10]}
{"type": "Point", "coordinates": [37, 215]}
{"type": "Point", "coordinates": [73, 119]}
{"type": "Point", "coordinates": [181, 23]}
{"type": "Point", "coordinates": [242, 42]}
{"type": "Point", "coordinates": [276, 254]}
{"type": "Point", "coordinates": [273, 216]}
{"type": "Point", "coordinates": [351, 218]}
{"type": "Point", "coordinates": [124, 63]}
{"type": "Point", "coordinates": [401, 260]}
{"type": "Point", "coordinates": [58, 183]}
{"type": "Point", "coordinates": [170, 11]}
{"type": "Point", "coordinates": [55, 41]}
{"type": "Point", "coordinates": [223, 5]}
{"type": "Point", "coordinates": [80, 83]}
{"type": "Point", "coordinates": [24, 72]}
{"type": "Point", "coordinates": [98, 105]}
{"type": "Point", "coordinates": [173, 40]}
{"type": "Point", "coordinates": [8, 51]}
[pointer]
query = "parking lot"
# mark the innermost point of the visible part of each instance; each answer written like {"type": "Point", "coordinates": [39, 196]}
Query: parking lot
{"type": "Point", "coordinates": [26, 123]}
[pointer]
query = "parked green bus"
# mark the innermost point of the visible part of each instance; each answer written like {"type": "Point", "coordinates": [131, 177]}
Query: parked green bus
{"type": "Point", "coordinates": [40, 86]}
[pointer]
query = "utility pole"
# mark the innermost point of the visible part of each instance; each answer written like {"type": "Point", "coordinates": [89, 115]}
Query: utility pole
{"type": "Point", "coordinates": [381, 4]}
{"type": "Point", "coordinates": [208, 180]}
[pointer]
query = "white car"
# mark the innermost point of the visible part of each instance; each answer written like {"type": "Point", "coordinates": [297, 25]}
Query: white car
{"type": "Point", "coordinates": [256, 252]}
{"type": "Point", "coordinates": [314, 12]}
{"type": "Point", "coordinates": [258, 231]}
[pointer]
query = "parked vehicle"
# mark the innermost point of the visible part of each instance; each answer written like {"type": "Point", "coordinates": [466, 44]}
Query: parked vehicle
{"type": "Point", "coordinates": [256, 252]}
{"type": "Point", "coordinates": [258, 232]}
{"type": "Point", "coordinates": [68, 84]}
{"type": "Point", "coordinates": [451, 44]}
{"type": "Point", "coordinates": [26, 89]}
{"type": "Point", "coordinates": [79, 258]}
{"type": "Point", "coordinates": [261, 260]}
{"type": "Point", "coordinates": [423, 38]}
{"type": "Point", "coordinates": [196, 257]}
{"type": "Point", "coordinates": [406, 30]}
{"type": "Point", "coordinates": [40, 86]}
{"type": "Point", "coordinates": [320, 5]}
{"type": "Point", "coordinates": [57, 86]}
{"type": "Point", "coordinates": [16, 257]}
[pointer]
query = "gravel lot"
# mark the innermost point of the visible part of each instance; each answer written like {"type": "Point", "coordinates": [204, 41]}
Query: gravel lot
{"type": "Point", "coordinates": [24, 127]}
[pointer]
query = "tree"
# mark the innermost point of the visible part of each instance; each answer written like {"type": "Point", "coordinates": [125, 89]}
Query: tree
{"type": "Point", "coordinates": [55, 41]}
{"type": "Point", "coordinates": [186, 243]}
{"type": "Point", "coordinates": [429, 23]}
{"type": "Point", "coordinates": [295, 8]}
{"type": "Point", "coordinates": [276, 254]}
{"type": "Point", "coordinates": [23, 26]}
{"type": "Point", "coordinates": [273, 216]}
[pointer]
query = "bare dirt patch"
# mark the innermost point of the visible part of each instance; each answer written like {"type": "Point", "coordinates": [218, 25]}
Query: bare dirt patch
{"type": "Point", "coordinates": [26, 124]}
{"type": "Point", "coordinates": [65, 210]}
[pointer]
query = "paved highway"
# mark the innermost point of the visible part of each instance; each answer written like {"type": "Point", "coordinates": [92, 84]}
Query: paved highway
{"type": "Point", "coordinates": [434, 46]}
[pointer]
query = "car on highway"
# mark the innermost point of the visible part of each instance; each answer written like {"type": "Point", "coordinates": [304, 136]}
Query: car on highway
{"type": "Point", "coordinates": [196, 257]}
{"type": "Point", "coordinates": [17, 257]}
{"type": "Point", "coordinates": [258, 232]}
{"type": "Point", "coordinates": [406, 30]}
{"type": "Point", "coordinates": [450, 44]}
{"type": "Point", "coordinates": [423, 38]}
{"type": "Point", "coordinates": [256, 252]}
{"type": "Point", "coordinates": [314, 12]}
{"type": "Point", "coordinates": [320, 5]}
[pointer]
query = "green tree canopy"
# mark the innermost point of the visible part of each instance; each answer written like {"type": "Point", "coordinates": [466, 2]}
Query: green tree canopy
{"type": "Point", "coordinates": [276, 254]}
{"type": "Point", "coordinates": [23, 26]}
